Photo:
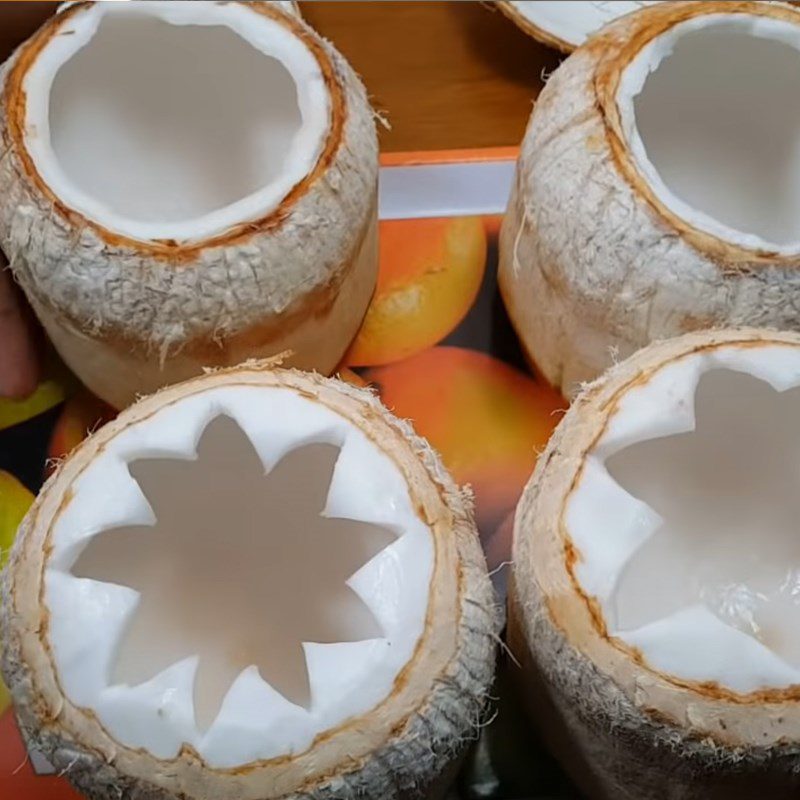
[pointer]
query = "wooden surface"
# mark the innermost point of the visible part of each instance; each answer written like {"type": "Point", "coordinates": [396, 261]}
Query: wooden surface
{"type": "Point", "coordinates": [444, 74]}
{"type": "Point", "coordinates": [18, 20]}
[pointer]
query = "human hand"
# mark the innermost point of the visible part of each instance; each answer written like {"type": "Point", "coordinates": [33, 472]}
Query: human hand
{"type": "Point", "coordinates": [19, 361]}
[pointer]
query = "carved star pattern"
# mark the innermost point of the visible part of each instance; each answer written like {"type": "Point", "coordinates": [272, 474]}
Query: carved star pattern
{"type": "Point", "coordinates": [729, 497]}
{"type": "Point", "coordinates": [240, 568]}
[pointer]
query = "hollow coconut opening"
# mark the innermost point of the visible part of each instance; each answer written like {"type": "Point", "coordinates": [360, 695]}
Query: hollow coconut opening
{"type": "Point", "coordinates": [708, 112]}
{"type": "Point", "coordinates": [174, 120]}
{"type": "Point", "coordinates": [233, 584]}
{"type": "Point", "coordinates": [685, 518]}
{"type": "Point", "coordinates": [572, 23]}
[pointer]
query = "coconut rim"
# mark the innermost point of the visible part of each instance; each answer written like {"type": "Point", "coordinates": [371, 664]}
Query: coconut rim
{"type": "Point", "coordinates": [447, 587]}
{"type": "Point", "coordinates": [615, 54]}
{"type": "Point", "coordinates": [526, 25]}
{"type": "Point", "coordinates": [14, 105]}
{"type": "Point", "coordinates": [542, 543]}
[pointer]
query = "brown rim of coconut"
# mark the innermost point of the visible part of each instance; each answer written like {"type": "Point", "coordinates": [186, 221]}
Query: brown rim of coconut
{"type": "Point", "coordinates": [427, 704]}
{"type": "Point", "coordinates": [616, 54]}
{"type": "Point", "coordinates": [14, 102]}
{"type": "Point", "coordinates": [546, 558]}
{"type": "Point", "coordinates": [527, 26]}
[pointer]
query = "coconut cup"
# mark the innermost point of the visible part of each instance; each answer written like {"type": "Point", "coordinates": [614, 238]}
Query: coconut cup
{"type": "Point", "coordinates": [656, 566]}
{"type": "Point", "coordinates": [187, 185]}
{"type": "Point", "coordinates": [648, 203]}
{"type": "Point", "coordinates": [256, 584]}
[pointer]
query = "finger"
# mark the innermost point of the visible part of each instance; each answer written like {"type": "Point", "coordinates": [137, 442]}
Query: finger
{"type": "Point", "coordinates": [19, 366]}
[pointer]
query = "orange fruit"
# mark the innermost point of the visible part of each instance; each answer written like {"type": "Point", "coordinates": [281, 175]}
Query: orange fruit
{"type": "Point", "coordinates": [81, 414]}
{"type": "Point", "coordinates": [488, 420]}
{"type": "Point", "coordinates": [430, 274]}
{"type": "Point", "coordinates": [348, 376]}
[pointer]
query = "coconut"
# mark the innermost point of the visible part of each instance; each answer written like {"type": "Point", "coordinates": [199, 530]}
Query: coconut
{"type": "Point", "coordinates": [254, 584]}
{"type": "Point", "coordinates": [656, 570]}
{"type": "Point", "coordinates": [562, 25]}
{"type": "Point", "coordinates": [187, 184]}
{"type": "Point", "coordinates": [647, 202]}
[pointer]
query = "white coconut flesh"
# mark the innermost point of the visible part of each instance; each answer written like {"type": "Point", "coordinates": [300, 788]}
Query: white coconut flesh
{"type": "Point", "coordinates": [685, 518]}
{"type": "Point", "coordinates": [573, 22]}
{"type": "Point", "coordinates": [185, 603]}
{"type": "Point", "coordinates": [174, 120]}
{"type": "Point", "coordinates": [708, 114]}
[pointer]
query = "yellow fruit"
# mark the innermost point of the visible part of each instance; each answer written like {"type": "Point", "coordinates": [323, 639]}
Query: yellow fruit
{"type": "Point", "coordinates": [57, 384]}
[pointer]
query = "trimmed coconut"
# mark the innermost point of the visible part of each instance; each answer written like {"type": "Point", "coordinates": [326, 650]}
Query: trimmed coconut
{"type": "Point", "coordinates": [656, 568]}
{"type": "Point", "coordinates": [254, 584]}
{"type": "Point", "coordinates": [566, 26]}
{"type": "Point", "coordinates": [657, 189]}
{"type": "Point", "coordinates": [187, 184]}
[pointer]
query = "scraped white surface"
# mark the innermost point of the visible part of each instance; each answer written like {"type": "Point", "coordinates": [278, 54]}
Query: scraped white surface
{"type": "Point", "coordinates": [732, 579]}
{"type": "Point", "coordinates": [88, 618]}
{"type": "Point", "coordinates": [573, 21]}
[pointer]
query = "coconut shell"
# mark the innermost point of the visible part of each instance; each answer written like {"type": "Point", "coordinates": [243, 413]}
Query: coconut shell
{"type": "Point", "coordinates": [131, 316]}
{"type": "Point", "coordinates": [407, 743]}
{"type": "Point", "coordinates": [593, 265]}
{"type": "Point", "coordinates": [623, 729]}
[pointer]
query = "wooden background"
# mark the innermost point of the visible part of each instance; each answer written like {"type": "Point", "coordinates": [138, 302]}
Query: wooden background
{"type": "Point", "coordinates": [447, 74]}
{"type": "Point", "coordinates": [444, 74]}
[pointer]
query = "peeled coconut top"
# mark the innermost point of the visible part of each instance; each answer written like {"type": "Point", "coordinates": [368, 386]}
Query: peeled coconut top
{"type": "Point", "coordinates": [697, 97]}
{"type": "Point", "coordinates": [173, 121]}
{"type": "Point", "coordinates": [662, 528]}
{"type": "Point", "coordinates": [250, 568]}
{"type": "Point", "coordinates": [567, 25]}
